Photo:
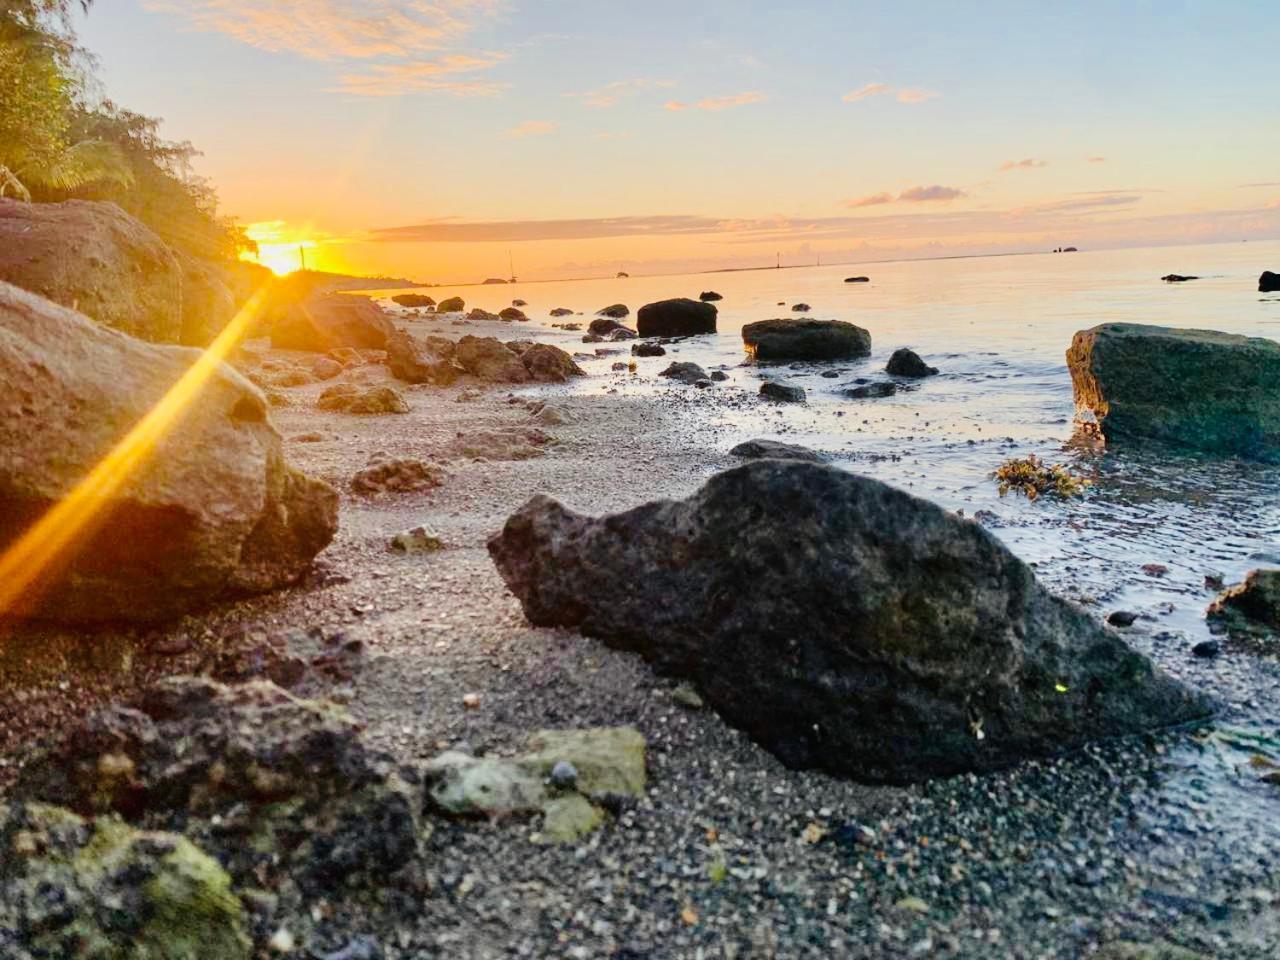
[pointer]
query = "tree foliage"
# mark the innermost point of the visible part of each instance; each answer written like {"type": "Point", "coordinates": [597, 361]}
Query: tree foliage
{"type": "Point", "coordinates": [58, 141]}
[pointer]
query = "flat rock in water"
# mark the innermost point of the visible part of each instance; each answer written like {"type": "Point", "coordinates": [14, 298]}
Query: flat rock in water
{"type": "Point", "coordinates": [775, 450]}
{"type": "Point", "coordinates": [217, 510]}
{"type": "Point", "coordinates": [414, 300]}
{"type": "Point", "coordinates": [1210, 391]}
{"type": "Point", "coordinates": [617, 311]}
{"type": "Point", "coordinates": [845, 625]}
{"type": "Point", "coordinates": [857, 279]}
{"type": "Point", "coordinates": [782, 391]}
{"type": "Point", "coordinates": [680, 317]}
{"type": "Point", "coordinates": [872, 391]}
{"type": "Point", "coordinates": [803, 339]}
{"type": "Point", "coordinates": [451, 305]}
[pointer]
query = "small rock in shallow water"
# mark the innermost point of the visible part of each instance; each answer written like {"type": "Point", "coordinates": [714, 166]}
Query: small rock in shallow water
{"type": "Point", "coordinates": [1121, 618]}
{"type": "Point", "coordinates": [1206, 648]}
{"type": "Point", "coordinates": [782, 391]}
{"type": "Point", "coordinates": [872, 391]}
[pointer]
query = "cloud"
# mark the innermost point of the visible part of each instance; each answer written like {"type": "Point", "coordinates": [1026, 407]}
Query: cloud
{"type": "Point", "coordinates": [1097, 159]}
{"type": "Point", "coordinates": [717, 103]}
{"type": "Point", "coordinates": [871, 200]}
{"type": "Point", "coordinates": [933, 194]}
{"type": "Point", "coordinates": [413, 41]}
{"type": "Point", "coordinates": [1274, 204]}
{"type": "Point", "coordinates": [1262, 183]}
{"type": "Point", "coordinates": [1079, 203]}
{"type": "Point", "coordinates": [915, 95]}
{"type": "Point", "coordinates": [529, 128]}
{"type": "Point", "coordinates": [611, 93]}
{"type": "Point", "coordinates": [1030, 163]}
{"type": "Point", "coordinates": [866, 90]}
{"type": "Point", "coordinates": [396, 79]}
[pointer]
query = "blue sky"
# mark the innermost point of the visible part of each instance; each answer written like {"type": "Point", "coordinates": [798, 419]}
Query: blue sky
{"type": "Point", "coordinates": [851, 129]}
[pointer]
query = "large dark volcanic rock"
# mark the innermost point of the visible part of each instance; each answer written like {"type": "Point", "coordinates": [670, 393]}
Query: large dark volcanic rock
{"type": "Point", "coordinates": [1211, 391]}
{"type": "Point", "coordinates": [680, 317]}
{"type": "Point", "coordinates": [803, 339]}
{"type": "Point", "coordinates": [1269, 282]}
{"type": "Point", "coordinates": [842, 623]}
{"type": "Point", "coordinates": [212, 509]}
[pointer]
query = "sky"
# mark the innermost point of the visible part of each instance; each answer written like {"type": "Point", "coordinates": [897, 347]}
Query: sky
{"type": "Point", "coordinates": [454, 140]}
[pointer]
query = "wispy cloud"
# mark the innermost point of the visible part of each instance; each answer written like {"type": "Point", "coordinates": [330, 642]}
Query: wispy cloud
{"type": "Point", "coordinates": [717, 103]}
{"type": "Point", "coordinates": [529, 128]}
{"type": "Point", "coordinates": [611, 93]}
{"type": "Point", "coordinates": [915, 95]}
{"type": "Point", "coordinates": [1097, 159]}
{"type": "Point", "coordinates": [1030, 163]}
{"type": "Point", "coordinates": [1079, 203]}
{"type": "Point", "coordinates": [870, 200]}
{"type": "Point", "coordinates": [412, 41]}
{"type": "Point", "coordinates": [1262, 183]}
{"type": "Point", "coordinates": [933, 194]}
{"type": "Point", "coordinates": [866, 90]}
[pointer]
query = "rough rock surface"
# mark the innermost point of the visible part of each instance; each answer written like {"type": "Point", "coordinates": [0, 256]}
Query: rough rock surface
{"type": "Point", "coordinates": [616, 310]}
{"type": "Point", "coordinates": [512, 313]}
{"type": "Point", "coordinates": [782, 391]}
{"type": "Point", "coordinates": [281, 790]}
{"type": "Point", "coordinates": [413, 300]}
{"type": "Point", "coordinates": [548, 364]}
{"type": "Point", "coordinates": [685, 372]}
{"type": "Point", "coordinates": [421, 361]}
{"type": "Point", "coordinates": [872, 391]}
{"type": "Point", "coordinates": [680, 317]}
{"type": "Point", "coordinates": [103, 890]}
{"type": "Point", "coordinates": [1252, 606]}
{"type": "Point", "coordinates": [842, 623]}
{"type": "Point", "coordinates": [603, 326]}
{"type": "Point", "coordinates": [396, 476]}
{"type": "Point", "coordinates": [1210, 391]}
{"type": "Point", "coordinates": [322, 323]}
{"type": "Point", "coordinates": [451, 305]}
{"type": "Point", "coordinates": [348, 398]}
{"type": "Point", "coordinates": [1269, 282]}
{"type": "Point", "coordinates": [213, 510]}
{"type": "Point", "coordinates": [648, 350]}
{"type": "Point", "coordinates": [775, 450]}
{"type": "Point", "coordinates": [490, 359]}
{"type": "Point", "coordinates": [708, 296]}
{"type": "Point", "coordinates": [803, 339]}
{"type": "Point", "coordinates": [907, 363]}
{"type": "Point", "coordinates": [95, 258]}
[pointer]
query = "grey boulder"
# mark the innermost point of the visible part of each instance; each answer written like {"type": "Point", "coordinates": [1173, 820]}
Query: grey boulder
{"type": "Point", "coordinates": [842, 623]}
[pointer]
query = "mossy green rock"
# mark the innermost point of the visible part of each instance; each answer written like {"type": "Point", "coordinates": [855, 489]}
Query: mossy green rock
{"type": "Point", "coordinates": [1202, 389]}
{"type": "Point", "coordinates": [102, 890]}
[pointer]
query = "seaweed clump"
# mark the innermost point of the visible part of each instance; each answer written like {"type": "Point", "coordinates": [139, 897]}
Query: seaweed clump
{"type": "Point", "coordinates": [1033, 478]}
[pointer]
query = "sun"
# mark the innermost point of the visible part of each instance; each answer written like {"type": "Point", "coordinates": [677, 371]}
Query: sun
{"type": "Point", "coordinates": [281, 249]}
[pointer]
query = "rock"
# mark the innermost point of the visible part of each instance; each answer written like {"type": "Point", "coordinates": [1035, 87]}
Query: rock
{"type": "Point", "coordinates": [281, 790]}
{"type": "Point", "coordinates": [1176, 278]}
{"type": "Point", "coordinates": [619, 365]}
{"type": "Point", "coordinates": [603, 326]}
{"type": "Point", "coordinates": [680, 317]}
{"type": "Point", "coordinates": [1206, 648]}
{"type": "Point", "coordinates": [321, 324]}
{"type": "Point", "coordinates": [561, 312]}
{"type": "Point", "coordinates": [95, 258]}
{"type": "Point", "coordinates": [648, 350]}
{"type": "Point", "coordinates": [550, 415]}
{"type": "Point", "coordinates": [687, 373]}
{"type": "Point", "coordinates": [617, 311]}
{"type": "Point", "coordinates": [397, 476]}
{"type": "Point", "coordinates": [782, 391]}
{"type": "Point", "coordinates": [1121, 618]}
{"type": "Point", "coordinates": [1210, 391]}
{"type": "Point", "coordinates": [606, 763]}
{"type": "Point", "coordinates": [511, 313]}
{"type": "Point", "coordinates": [592, 338]}
{"type": "Point", "coordinates": [421, 361]}
{"type": "Point", "coordinates": [509, 443]}
{"type": "Point", "coordinates": [907, 363]}
{"type": "Point", "coordinates": [1252, 605]}
{"type": "Point", "coordinates": [801, 307]}
{"type": "Point", "coordinates": [621, 333]}
{"type": "Point", "coordinates": [686, 696]}
{"type": "Point", "coordinates": [518, 346]}
{"type": "Point", "coordinates": [479, 314]}
{"type": "Point", "coordinates": [857, 279]}
{"type": "Point", "coordinates": [1153, 950]}
{"type": "Point", "coordinates": [519, 303]}
{"type": "Point", "coordinates": [76, 888]}
{"type": "Point", "coordinates": [872, 391]}
{"type": "Point", "coordinates": [216, 512]}
{"type": "Point", "coordinates": [719, 376]}
{"type": "Point", "coordinates": [548, 364]}
{"type": "Point", "coordinates": [413, 300]}
{"type": "Point", "coordinates": [417, 540]}
{"type": "Point", "coordinates": [451, 305]}
{"type": "Point", "coordinates": [348, 398]}
{"type": "Point", "coordinates": [775, 450]}
{"type": "Point", "coordinates": [489, 359]}
{"type": "Point", "coordinates": [707, 296]}
{"type": "Point", "coordinates": [842, 623]}
{"type": "Point", "coordinates": [325, 368]}
{"type": "Point", "coordinates": [1269, 282]}
{"type": "Point", "coordinates": [789, 339]}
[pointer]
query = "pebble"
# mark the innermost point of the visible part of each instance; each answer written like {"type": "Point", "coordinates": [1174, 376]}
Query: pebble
{"type": "Point", "coordinates": [564, 775]}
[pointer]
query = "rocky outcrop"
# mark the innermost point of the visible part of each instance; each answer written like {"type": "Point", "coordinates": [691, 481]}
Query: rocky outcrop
{"type": "Point", "coordinates": [603, 326]}
{"type": "Point", "coordinates": [871, 391]}
{"type": "Point", "coordinates": [548, 364]}
{"type": "Point", "coordinates": [801, 307]}
{"type": "Point", "coordinates": [561, 312]}
{"type": "Point", "coordinates": [70, 887]}
{"type": "Point", "coordinates": [687, 373]}
{"type": "Point", "coordinates": [421, 361]}
{"type": "Point", "coordinates": [616, 310]}
{"type": "Point", "coordinates": [680, 317]}
{"type": "Point", "coordinates": [414, 301]}
{"type": "Point", "coordinates": [782, 392]}
{"type": "Point", "coordinates": [281, 790]}
{"type": "Point", "coordinates": [1210, 391]}
{"type": "Point", "coordinates": [1252, 606]}
{"type": "Point", "coordinates": [907, 363]}
{"type": "Point", "coordinates": [707, 296]}
{"type": "Point", "coordinates": [775, 450]}
{"type": "Point", "coordinates": [842, 623]}
{"type": "Point", "coordinates": [95, 258]}
{"type": "Point", "coordinates": [477, 313]}
{"type": "Point", "coordinates": [211, 510]}
{"type": "Point", "coordinates": [320, 324]}
{"type": "Point", "coordinates": [512, 313]}
{"type": "Point", "coordinates": [348, 398]}
{"type": "Point", "coordinates": [490, 359]}
{"type": "Point", "coordinates": [451, 305]}
{"type": "Point", "coordinates": [1269, 282]}
{"type": "Point", "coordinates": [648, 350]}
{"type": "Point", "coordinates": [801, 339]}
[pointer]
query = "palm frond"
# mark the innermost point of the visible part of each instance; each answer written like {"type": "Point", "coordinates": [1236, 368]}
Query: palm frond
{"type": "Point", "coordinates": [89, 161]}
{"type": "Point", "coordinates": [9, 183]}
